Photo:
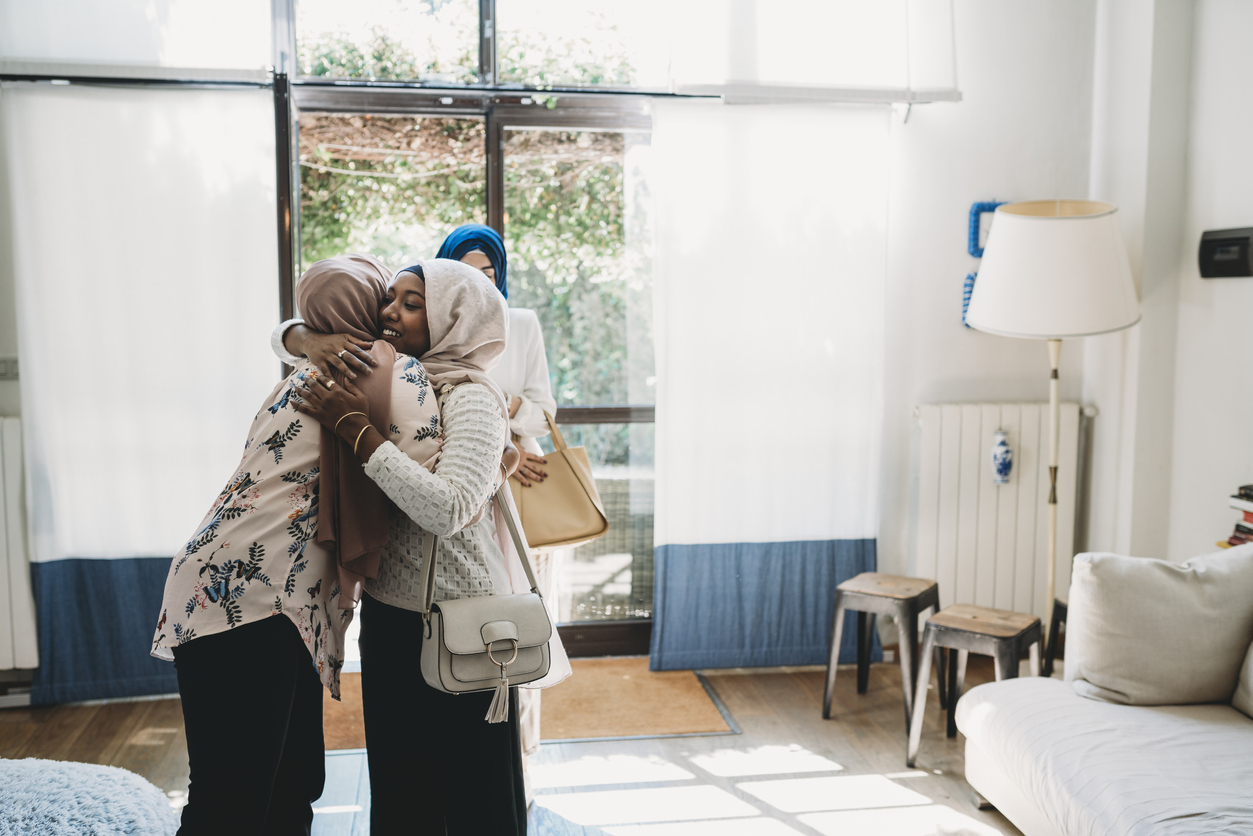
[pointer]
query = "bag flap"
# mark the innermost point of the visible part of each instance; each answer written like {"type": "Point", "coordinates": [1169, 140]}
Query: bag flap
{"type": "Point", "coordinates": [463, 620]}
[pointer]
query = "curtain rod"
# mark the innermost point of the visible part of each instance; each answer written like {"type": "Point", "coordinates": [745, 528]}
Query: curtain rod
{"type": "Point", "coordinates": [483, 89]}
{"type": "Point", "coordinates": [124, 81]}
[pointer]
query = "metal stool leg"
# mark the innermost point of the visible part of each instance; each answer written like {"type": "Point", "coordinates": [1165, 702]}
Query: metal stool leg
{"type": "Point", "coordinates": [1055, 624]}
{"type": "Point", "coordinates": [907, 630]}
{"type": "Point", "coordinates": [956, 686]}
{"type": "Point", "coordinates": [920, 697]}
{"type": "Point", "coordinates": [865, 642]}
{"type": "Point", "coordinates": [1006, 659]}
{"type": "Point", "coordinates": [954, 693]}
{"type": "Point", "coordinates": [837, 633]}
{"type": "Point", "coordinates": [941, 665]}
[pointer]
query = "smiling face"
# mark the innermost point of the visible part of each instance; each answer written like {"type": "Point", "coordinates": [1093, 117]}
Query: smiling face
{"type": "Point", "coordinates": [479, 261]}
{"type": "Point", "coordinates": [403, 315]}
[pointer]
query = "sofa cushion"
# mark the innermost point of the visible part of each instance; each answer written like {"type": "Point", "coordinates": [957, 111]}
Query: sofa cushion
{"type": "Point", "coordinates": [1243, 698]}
{"type": "Point", "coordinates": [1150, 632]}
{"type": "Point", "coordinates": [1116, 770]}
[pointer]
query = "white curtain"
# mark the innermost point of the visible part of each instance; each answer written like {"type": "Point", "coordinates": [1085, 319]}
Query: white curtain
{"type": "Point", "coordinates": [147, 281]}
{"type": "Point", "coordinates": [846, 44]}
{"type": "Point", "coordinates": [146, 265]}
{"type": "Point", "coordinates": [138, 38]}
{"type": "Point", "coordinates": [770, 263]}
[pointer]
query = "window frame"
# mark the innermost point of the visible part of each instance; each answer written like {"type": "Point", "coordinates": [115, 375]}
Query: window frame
{"type": "Point", "coordinates": [501, 109]}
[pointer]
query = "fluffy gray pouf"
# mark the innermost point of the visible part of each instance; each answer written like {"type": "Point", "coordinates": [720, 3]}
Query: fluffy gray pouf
{"type": "Point", "coordinates": [54, 798]}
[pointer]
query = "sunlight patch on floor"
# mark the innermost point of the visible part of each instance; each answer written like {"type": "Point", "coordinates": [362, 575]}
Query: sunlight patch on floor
{"type": "Point", "coordinates": [764, 760]}
{"type": "Point", "coordinates": [933, 820]}
{"type": "Point", "coordinates": [615, 769]}
{"type": "Point", "coordinates": [804, 795]}
{"type": "Point", "coordinates": [734, 827]}
{"type": "Point", "coordinates": [645, 806]}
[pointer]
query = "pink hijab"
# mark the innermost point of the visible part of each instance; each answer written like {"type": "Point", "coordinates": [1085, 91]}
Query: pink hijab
{"type": "Point", "coordinates": [342, 295]}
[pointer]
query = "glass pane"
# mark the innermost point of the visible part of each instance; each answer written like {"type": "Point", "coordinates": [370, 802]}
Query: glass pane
{"type": "Point", "coordinates": [579, 234]}
{"type": "Point", "coordinates": [424, 40]}
{"type": "Point", "coordinates": [391, 186]}
{"type": "Point", "coordinates": [612, 577]}
{"type": "Point", "coordinates": [566, 43]}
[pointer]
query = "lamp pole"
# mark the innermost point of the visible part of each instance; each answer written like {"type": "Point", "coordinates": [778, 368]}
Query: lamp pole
{"type": "Point", "coordinates": [1055, 354]}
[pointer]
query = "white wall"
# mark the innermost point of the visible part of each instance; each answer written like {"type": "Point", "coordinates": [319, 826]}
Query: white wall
{"type": "Point", "coordinates": [1022, 131]}
{"type": "Point", "coordinates": [1213, 416]}
{"type": "Point", "coordinates": [10, 399]}
{"type": "Point", "coordinates": [1139, 162]}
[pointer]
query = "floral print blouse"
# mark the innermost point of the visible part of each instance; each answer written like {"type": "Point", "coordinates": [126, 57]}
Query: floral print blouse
{"type": "Point", "coordinates": [255, 553]}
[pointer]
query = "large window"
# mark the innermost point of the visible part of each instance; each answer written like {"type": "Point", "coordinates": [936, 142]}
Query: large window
{"type": "Point", "coordinates": [388, 165]}
{"type": "Point", "coordinates": [577, 225]}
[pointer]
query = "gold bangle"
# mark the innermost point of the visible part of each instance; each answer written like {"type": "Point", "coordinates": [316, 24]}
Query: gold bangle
{"type": "Point", "coordinates": [358, 441]}
{"type": "Point", "coordinates": [342, 417]}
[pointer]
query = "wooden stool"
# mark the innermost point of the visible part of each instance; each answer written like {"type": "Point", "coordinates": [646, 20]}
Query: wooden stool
{"type": "Point", "coordinates": [1055, 623]}
{"type": "Point", "coordinates": [871, 594]}
{"type": "Point", "coordinates": [963, 628]}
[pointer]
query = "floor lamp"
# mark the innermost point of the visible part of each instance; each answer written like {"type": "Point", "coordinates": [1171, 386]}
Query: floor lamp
{"type": "Point", "coordinates": [1054, 269]}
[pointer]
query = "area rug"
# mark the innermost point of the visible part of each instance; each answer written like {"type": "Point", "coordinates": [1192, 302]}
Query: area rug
{"type": "Point", "coordinates": [621, 697]}
{"type": "Point", "coordinates": [343, 723]}
{"type": "Point", "coordinates": [54, 798]}
{"type": "Point", "coordinates": [605, 698]}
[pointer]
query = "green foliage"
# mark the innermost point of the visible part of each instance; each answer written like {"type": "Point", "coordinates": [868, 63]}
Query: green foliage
{"type": "Point", "coordinates": [435, 41]}
{"type": "Point", "coordinates": [542, 57]}
{"type": "Point", "coordinates": [395, 186]}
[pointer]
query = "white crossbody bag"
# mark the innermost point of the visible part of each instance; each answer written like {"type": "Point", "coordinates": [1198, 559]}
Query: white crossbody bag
{"type": "Point", "coordinates": [489, 642]}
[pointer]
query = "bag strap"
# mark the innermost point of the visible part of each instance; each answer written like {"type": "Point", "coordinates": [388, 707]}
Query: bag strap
{"type": "Point", "coordinates": [430, 546]}
{"type": "Point", "coordinates": [559, 441]}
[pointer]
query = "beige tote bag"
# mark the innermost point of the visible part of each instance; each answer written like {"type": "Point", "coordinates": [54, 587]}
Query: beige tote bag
{"type": "Point", "coordinates": [564, 509]}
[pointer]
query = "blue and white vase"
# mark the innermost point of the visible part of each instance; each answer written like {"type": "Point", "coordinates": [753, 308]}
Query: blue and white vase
{"type": "Point", "coordinates": [1002, 458]}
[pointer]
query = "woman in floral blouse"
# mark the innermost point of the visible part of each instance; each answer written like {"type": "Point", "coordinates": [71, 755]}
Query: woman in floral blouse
{"type": "Point", "coordinates": [267, 582]}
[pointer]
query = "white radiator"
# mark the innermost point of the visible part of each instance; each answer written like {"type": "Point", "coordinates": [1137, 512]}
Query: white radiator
{"type": "Point", "coordinates": [18, 648]}
{"type": "Point", "coordinates": [987, 544]}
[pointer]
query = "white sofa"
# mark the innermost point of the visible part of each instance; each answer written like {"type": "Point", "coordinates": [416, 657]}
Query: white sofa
{"type": "Point", "coordinates": [1105, 753]}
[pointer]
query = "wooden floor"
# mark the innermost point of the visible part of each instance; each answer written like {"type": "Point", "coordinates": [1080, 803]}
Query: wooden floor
{"type": "Point", "coordinates": [787, 773]}
{"type": "Point", "coordinates": [145, 737]}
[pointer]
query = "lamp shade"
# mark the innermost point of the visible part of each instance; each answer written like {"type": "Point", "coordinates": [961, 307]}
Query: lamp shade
{"type": "Point", "coordinates": [1054, 269]}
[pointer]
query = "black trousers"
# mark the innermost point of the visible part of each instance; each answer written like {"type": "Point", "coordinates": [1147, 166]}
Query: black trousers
{"type": "Point", "coordinates": [436, 765]}
{"type": "Point", "coordinates": [252, 704]}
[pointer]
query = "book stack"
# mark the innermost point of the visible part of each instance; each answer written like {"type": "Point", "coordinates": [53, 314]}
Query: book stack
{"type": "Point", "coordinates": [1242, 501]}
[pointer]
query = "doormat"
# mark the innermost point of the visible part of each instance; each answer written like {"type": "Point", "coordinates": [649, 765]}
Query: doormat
{"type": "Point", "coordinates": [343, 723]}
{"type": "Point", "coordinates": [605, 699]}
{"type": "Point", "coordinates": [620, 697]}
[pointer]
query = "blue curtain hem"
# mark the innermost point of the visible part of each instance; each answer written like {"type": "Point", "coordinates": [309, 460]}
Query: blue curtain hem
{"type": "Point", "coordinates": [748, 605]}
{"type": "Point", "coordinates": [95, 620]}
{"type": "Point", "coordinates": [108, 689]}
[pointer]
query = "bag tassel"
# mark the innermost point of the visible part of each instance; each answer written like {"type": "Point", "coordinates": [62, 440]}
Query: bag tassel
{"type": "Point", "coordinates": [498, 711]}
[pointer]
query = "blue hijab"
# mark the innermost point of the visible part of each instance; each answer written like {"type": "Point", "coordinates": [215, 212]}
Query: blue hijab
{"type": "Point", "coordinates": [470, 237]}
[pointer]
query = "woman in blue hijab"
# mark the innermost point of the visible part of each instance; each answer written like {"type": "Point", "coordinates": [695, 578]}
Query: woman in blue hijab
{"type": "Point", "coordinates": [471, 238]}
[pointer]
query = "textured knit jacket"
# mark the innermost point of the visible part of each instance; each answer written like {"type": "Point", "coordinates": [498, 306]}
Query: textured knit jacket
{"type": "Point", "coordinates": [444, 503]}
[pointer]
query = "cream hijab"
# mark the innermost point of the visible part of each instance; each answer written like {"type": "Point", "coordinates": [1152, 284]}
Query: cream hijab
{"type": "Point", "coordinates": [469, 324]}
